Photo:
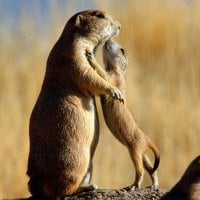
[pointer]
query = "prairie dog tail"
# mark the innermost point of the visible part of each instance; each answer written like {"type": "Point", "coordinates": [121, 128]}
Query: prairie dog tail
{"type": "Point", "coordinates": [156, 154]}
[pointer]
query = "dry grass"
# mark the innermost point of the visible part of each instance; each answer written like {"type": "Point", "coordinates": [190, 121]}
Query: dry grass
{"type": "Point", "coordinates": [163, 89]}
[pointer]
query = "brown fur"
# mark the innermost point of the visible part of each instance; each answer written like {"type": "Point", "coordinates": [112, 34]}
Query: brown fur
{"type": "Point", "coordinates": [188, 187]}
{"type": "Point", "coordinates": [64, 126]}
{"type": "Point", "coordinates": [118, 117]}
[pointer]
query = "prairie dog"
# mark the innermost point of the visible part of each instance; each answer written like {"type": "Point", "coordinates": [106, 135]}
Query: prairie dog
{"type": "Point", "coordinates": [118, 117]}
{"type": "Point", "coordinates": [64, 125]}
{"type": "Point", "coordinates": [188, 187]}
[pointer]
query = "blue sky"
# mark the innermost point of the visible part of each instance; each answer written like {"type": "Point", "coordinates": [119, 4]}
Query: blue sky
{"type": "Point", "coordinates": [12, 11]}
{"type": "Point", "coordinates": [14, 8]}
{"type": "Point", "coordinates": [40, 11]}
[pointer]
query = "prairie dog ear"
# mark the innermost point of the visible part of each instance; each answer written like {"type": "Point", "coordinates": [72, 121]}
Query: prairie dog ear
{"type": "Point", "coordinates": [79, 20]}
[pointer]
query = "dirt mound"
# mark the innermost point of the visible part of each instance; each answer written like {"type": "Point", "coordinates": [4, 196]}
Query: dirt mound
{"type": "Point", "coordinates": [120, 194]}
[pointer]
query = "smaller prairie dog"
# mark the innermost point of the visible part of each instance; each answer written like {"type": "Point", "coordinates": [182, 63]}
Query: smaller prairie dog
{"type": "Point", "coordinates": [118, 117]}
{"type": "Point", "coordinates": [188, 187]}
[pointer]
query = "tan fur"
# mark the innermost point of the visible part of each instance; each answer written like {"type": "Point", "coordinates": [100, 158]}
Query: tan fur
{"type": "Point", "coordinates": [64, 126]}
{"type": "Point", "coordinates": [118, 117]}
{"type": "Point", "coordinates": [188, 187]}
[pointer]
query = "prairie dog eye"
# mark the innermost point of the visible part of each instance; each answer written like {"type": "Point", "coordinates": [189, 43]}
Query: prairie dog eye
{"type": "Point", "coordinates": [123, 51]}
{"type": "Point", "coordinates": [100, 15]}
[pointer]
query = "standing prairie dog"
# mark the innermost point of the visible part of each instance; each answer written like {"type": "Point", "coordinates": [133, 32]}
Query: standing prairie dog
{"type": "Point", "coordinates": [118, 117]}
{"type": "Point", "coordinates": [188, 187]}
{"type": "Point", "coordinates": [64, 125]}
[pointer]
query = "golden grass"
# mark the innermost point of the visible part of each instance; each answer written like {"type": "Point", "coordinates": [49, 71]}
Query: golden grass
{"type": "Point", "coordinates": [163, 90]}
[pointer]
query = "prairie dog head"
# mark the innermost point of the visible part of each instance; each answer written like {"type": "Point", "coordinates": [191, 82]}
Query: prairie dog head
{"type": "Point", "coordinates": [94, 25]}
{"type": "Point", "coordinates": [114, 57]}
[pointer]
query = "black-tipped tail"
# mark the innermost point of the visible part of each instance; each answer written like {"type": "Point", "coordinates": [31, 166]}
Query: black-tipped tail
{"type": "Point", "coordinates": [156, 154]}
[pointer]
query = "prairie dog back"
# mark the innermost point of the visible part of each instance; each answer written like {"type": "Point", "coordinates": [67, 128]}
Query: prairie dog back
{"type": "Point", "coordinates": [188, 187]}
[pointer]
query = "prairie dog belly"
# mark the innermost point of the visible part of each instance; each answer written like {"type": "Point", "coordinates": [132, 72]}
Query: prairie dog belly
{"type": "Point", "coordinates": [80, 121]}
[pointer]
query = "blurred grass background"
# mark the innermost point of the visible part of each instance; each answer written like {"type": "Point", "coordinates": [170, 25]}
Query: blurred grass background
{"type": "Point", "coordinates": [163, 83]}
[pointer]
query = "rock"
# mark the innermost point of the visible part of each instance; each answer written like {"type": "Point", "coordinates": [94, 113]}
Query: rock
{"type": "Point", "coordinates": [120, 194]}
{"type": "Point", "coordinates": [115, 194]}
